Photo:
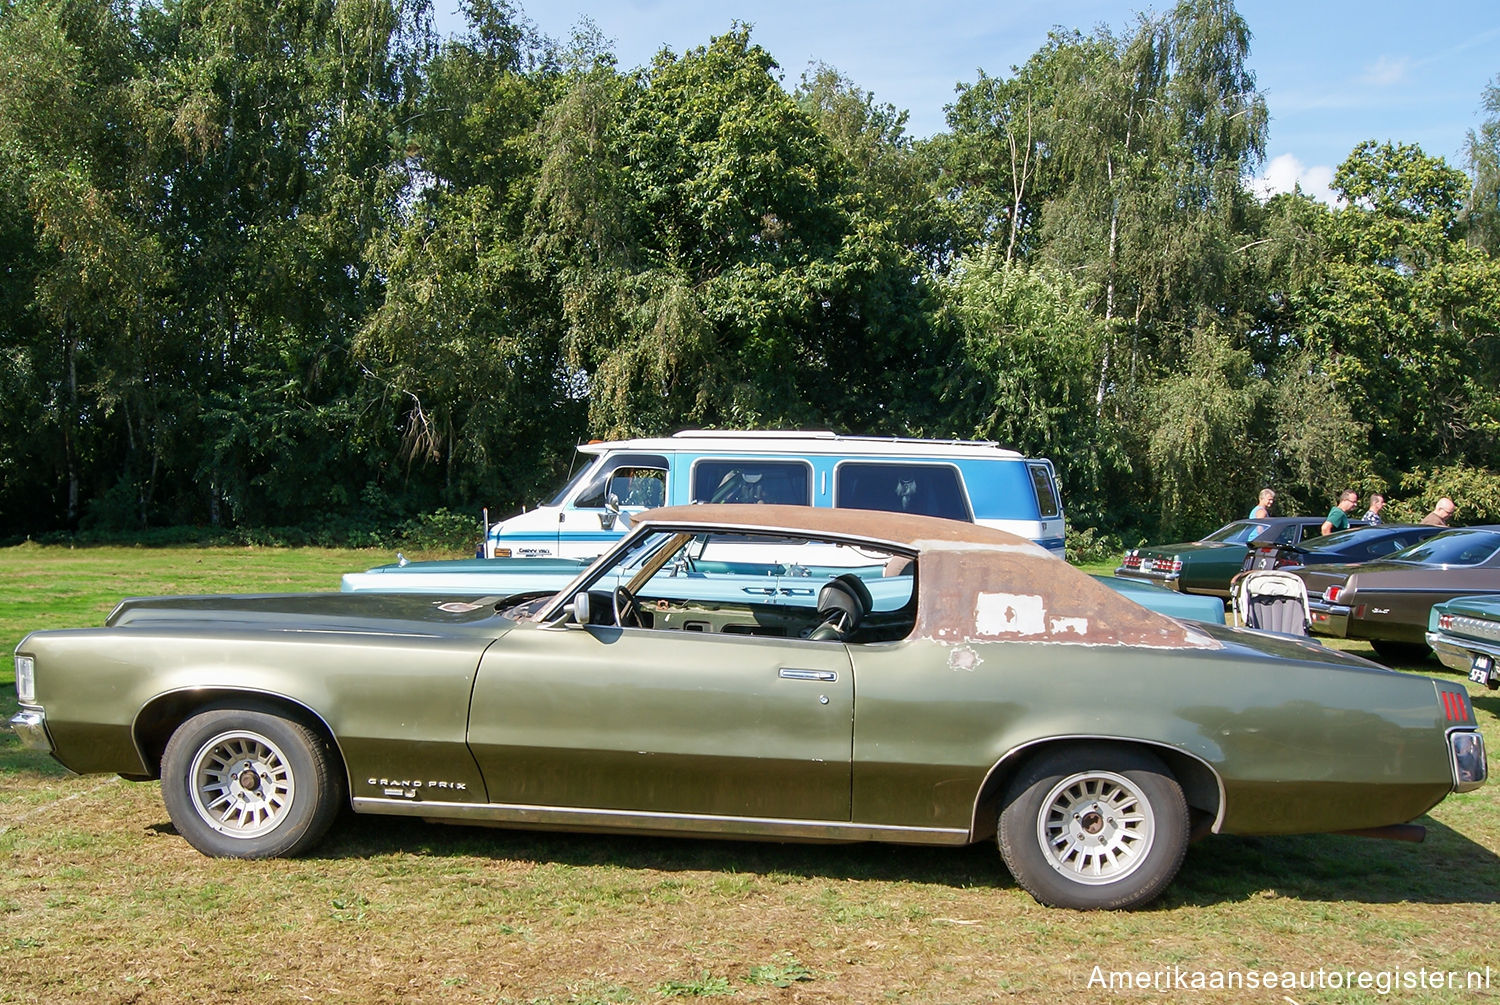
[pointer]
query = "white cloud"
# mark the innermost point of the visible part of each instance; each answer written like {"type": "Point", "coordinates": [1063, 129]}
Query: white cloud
{"type": "Point", "coordinates": [1285, 173]}
{"type": "Point", "coordinates": [1386, 71]}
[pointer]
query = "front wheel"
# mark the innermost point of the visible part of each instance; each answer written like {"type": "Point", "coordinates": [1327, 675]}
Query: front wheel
{"type": "Point", "coordinates": [245, 784]}
{"type": "Point", "coordinates": [1094, 827]}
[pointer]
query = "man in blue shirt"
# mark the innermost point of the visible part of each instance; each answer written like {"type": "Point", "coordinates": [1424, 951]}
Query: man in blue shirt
{"type": "Point", "coordinates": [1338, 517]}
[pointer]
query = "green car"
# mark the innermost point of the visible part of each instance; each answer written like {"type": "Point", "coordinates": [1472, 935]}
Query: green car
{"type": "Point", "coordinates": [974, 688]}
{"type": "Point", "coordinates": [1207, 565]}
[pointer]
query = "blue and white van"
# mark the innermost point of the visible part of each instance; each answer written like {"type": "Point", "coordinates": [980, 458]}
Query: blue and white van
{"type": "Point", "coordinates": [969, 480]}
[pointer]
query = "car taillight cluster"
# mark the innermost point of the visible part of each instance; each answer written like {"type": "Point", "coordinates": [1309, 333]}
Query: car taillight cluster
{"type": "Point", "coordinates": [1445, 622]}
{"type": "Point", "coordinates": [1133, 560]}
{"type": "Point", "coordinates": [1455, 706]}
{"type": "Point", "coordinates": [1331, 595]}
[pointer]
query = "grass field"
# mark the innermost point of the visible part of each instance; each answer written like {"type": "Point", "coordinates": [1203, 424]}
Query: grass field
{"type": "Point", "coordinates": [101, 901]}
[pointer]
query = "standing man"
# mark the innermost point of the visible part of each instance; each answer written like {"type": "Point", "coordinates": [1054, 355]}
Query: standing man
{"type": "Point", "coordinates": [1338, 517]}
{"type": "Point", "coordinates": [1441, 513]}
{"type": "Point", "coordinates": [1262, 508]}
{"type": "Point", "coordinates": [1372, 515]}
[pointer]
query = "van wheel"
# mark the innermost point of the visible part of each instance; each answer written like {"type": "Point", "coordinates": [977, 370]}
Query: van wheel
{"type": "Point", "coordinates": [243, 784]}
{"type": "Point", "coordinates": [1094, 827]}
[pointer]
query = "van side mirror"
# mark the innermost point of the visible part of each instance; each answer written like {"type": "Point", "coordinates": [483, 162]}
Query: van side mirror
{"type": "Point", "coordinates": [613, 515]}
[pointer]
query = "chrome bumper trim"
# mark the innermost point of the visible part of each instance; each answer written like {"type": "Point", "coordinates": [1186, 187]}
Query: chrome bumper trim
{"type": "Point", "coordinates": [31, 726]}
{"type": "Point", "coordinates": [1457, 653]}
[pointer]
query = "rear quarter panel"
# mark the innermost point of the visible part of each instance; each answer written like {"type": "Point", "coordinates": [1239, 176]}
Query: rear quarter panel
{"type": "Point", "coordinates": [1300, 745]}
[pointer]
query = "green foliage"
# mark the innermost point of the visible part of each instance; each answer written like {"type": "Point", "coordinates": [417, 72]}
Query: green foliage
{"type": "Point", "coordinates": [305, 273]}
{"type": "Point", "coordinates": [1476, 492]}
{"type": "Point", "coordinates": [1202, 446]}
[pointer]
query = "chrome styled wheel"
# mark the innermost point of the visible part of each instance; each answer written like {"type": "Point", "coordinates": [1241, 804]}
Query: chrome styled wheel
{"type": "Point", "coordinates": [1095, 827]}
{"type": "Point", "coordinates": [242, 785]}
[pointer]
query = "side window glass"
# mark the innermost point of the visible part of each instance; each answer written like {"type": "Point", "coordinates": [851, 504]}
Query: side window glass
{"type": "Point", "coordinates": [1046, 496]}
{"type": "Point", "coordinates": [752, 481]}
{"type": "Point", "coordinates": [924, 489]}
{"type": "Point", "coordinates": [638, 481]}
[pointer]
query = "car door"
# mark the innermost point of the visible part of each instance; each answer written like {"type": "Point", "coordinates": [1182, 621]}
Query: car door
{"type": "Point", "coordinates": [650, 721]}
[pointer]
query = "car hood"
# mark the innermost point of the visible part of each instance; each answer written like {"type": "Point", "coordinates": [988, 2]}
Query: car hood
{"type": "Point", "coordinates": [519, 566]}
{"type": "Point", "coordinates": [378, 614]}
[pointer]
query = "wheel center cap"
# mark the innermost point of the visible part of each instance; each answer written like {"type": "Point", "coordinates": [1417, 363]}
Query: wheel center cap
{"type": "Point", "coordinates": [249, 780]}
{"type": "Point", "coordinates": [1092, 821]}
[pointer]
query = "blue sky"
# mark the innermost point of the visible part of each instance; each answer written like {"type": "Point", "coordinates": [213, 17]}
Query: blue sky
{"type": "Point", "coordinates": [1334, 72]}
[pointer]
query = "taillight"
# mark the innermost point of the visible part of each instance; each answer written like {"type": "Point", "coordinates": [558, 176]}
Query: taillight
{"type": "Point", "coordinates": [1132, 560]}
{"type": "Point", "coordinates": [1445, 621]}
{"type": "Point", "coordinates": [1331, 595]}
{"type": "Point", "coordinates": [1173, 564]}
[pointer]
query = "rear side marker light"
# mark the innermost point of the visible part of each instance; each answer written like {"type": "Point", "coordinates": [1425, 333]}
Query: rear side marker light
{"type": "Point", "coordinates": [1456, 706]}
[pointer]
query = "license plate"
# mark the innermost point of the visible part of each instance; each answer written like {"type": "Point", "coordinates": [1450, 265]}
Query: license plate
{"type": "Point", "coordinates": [1480, 669]}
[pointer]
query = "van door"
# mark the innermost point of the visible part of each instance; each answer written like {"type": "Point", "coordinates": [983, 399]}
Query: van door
{"type": "Point", "coordinates": [586, 525]}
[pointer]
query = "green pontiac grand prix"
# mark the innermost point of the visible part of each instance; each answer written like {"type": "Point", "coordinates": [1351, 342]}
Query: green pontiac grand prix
{"type": "Point", "coordinates": [965, 686]}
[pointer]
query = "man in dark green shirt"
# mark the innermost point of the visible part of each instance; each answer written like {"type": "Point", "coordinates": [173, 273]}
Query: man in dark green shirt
{"type": "Point", "coordinates": [1338, 517]}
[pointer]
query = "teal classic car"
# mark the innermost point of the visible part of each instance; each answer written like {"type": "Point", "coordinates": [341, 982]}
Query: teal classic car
{"type": "Point", "coordinates": [962, 686]}
{"type": "Point", "coordinates": [1465, 634]}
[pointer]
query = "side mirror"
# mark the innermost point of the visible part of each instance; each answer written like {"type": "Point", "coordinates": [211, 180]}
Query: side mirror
{"type": "Point", "coordinates": [579, 608]}
{"type": "Point", "coordinates": [613, 515]}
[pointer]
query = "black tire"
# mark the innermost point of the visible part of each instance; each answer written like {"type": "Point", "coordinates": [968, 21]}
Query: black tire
{"type": "Point", "coordinates": [246, 784]}
{"type": "Point", "coordinates": [1094, 827]}
{"type": "Point", "coordinates": [1400, 652]}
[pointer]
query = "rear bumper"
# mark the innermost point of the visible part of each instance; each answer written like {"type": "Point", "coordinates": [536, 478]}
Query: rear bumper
{"type": "Point", "coordinates": [1171, 580]}
{"type": "Point", "coordinates": [1457, 653]}
{"type": "Point", "coordinates": [1329, 619]}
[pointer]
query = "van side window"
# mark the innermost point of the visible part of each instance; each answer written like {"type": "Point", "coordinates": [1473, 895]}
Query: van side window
{"type": "Point", "coordinates": [638, 481]}
{"type": "Point", "coordinates": [1046, 495]}
{"type": "Point", "coordinates": [924, 489]}
{"type": "Point", "coordinates": [748, 480]}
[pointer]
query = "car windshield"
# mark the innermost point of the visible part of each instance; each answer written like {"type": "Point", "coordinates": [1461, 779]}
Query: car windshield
{"type": "Point", "coordinates": [1238, 532]}
{"type": "Point", "coordinates": [763, 584]}
{"type": "Point", "coordinates": [1456, 547]}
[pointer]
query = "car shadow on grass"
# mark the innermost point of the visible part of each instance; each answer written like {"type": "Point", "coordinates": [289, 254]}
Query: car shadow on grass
{"type": "Point", "coordinates": [1447, 869]}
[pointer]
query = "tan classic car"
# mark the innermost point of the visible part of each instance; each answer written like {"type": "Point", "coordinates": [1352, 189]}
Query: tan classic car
{"type": "Point", "coordinates": [872, 677]}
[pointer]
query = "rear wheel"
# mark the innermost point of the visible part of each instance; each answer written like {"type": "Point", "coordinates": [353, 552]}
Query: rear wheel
{"type": "Point", "coordinates": [245, 784]}
{"type": "Point", "coordinates": [1094, 827]}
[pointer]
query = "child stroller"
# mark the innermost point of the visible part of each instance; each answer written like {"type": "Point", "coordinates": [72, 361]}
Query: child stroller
{"type": "Point", "coordinates": [1271, 600]}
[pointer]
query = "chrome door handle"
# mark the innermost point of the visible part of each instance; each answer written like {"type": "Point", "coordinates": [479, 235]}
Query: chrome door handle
{"type": "Point", "coordinates": [795, 673]}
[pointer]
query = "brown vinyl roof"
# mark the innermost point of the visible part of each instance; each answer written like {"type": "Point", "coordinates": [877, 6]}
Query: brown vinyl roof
{"type": "Point", "coordinates": [975, 583]}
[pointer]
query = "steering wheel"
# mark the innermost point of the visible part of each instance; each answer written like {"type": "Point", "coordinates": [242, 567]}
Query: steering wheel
{"type": "Point", "coordinates": [628, 609]}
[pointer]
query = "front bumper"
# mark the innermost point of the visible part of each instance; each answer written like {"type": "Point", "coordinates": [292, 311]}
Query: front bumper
{"type": "Point", "coordinates": [1329, 619]}
{"type": "Point", "coordinates": [1457, 653]}
{"type": "Point", "coordinates": [30, 724]}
